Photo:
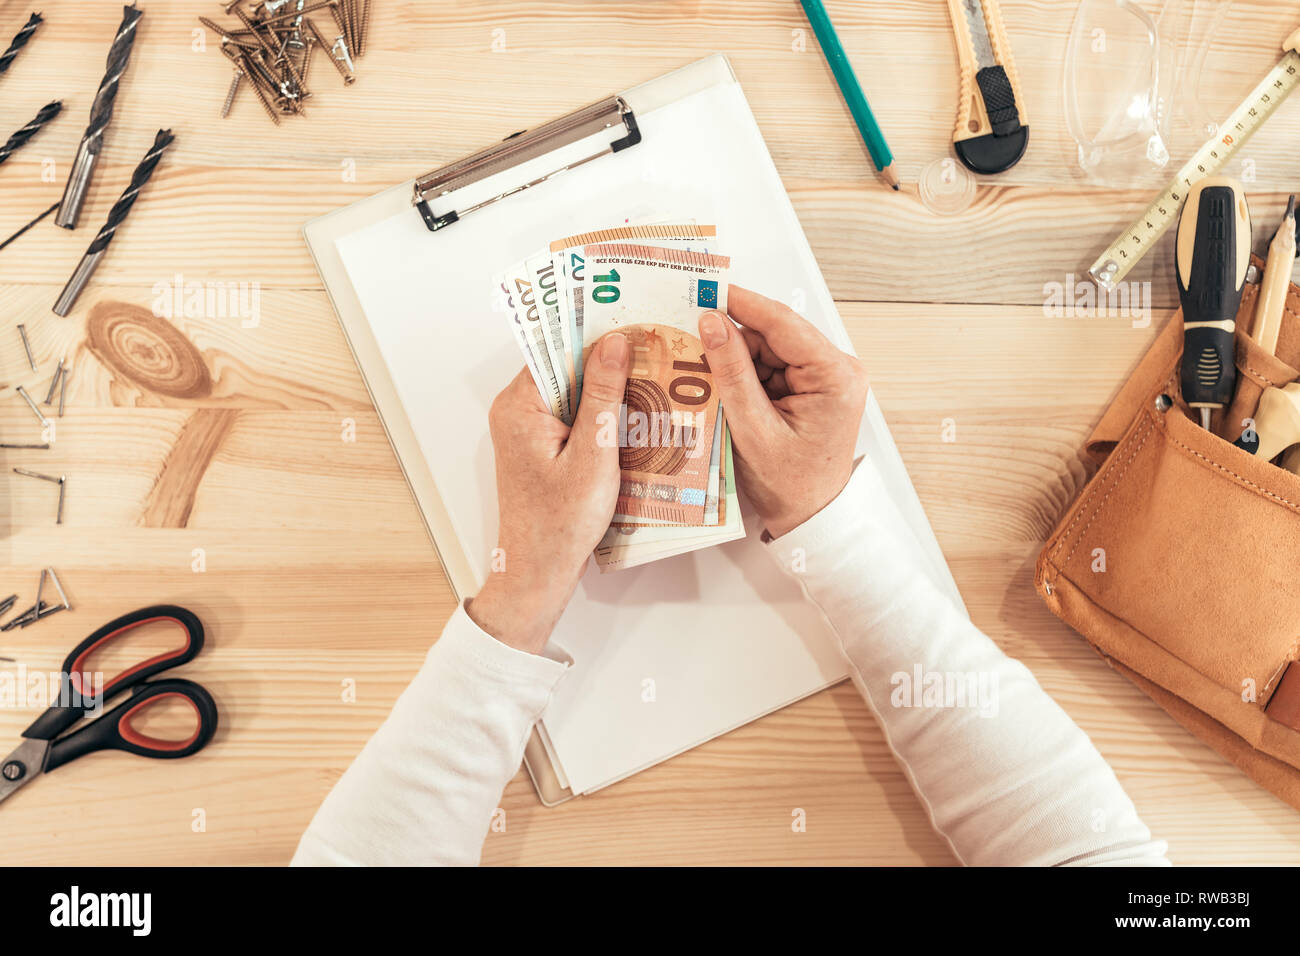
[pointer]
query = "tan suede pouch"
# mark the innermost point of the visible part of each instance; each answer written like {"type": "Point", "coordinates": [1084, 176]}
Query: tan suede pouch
{"type": "Point", "coordinates": [1180, 560]}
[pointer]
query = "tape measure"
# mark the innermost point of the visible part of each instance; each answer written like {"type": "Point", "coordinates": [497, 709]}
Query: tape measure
{"type": "Point", "coordinates": [1135, 241]}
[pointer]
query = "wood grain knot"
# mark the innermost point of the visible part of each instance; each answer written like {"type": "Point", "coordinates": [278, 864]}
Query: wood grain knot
{"type": "Point", "coordinates": [149, 351]}
{"type": "Point", "coordinates": [172, 499]}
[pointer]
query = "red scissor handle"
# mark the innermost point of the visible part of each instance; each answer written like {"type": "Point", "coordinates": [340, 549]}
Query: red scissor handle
{"type": "Point", "coordinates": [114, 730]}
{"type": "Point", "coordinates": [77, 697]}
{"type": "Point", "coordinates": [75, 664]}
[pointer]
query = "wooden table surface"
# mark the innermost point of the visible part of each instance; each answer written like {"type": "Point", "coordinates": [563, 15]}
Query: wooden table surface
{"type": "Point", "coordinates": [206, 468]}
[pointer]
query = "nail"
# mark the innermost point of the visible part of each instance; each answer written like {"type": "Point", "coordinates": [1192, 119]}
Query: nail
{"type": "Point", "coordinates": [713, 330]}
{"type": "Point", "coordinates": [67, 606]}
{"type": "Point", "coordinates": [613, 350]}
{"type": "Point", "coordinates": [27, 347]}
{"type": "Point", "coordinates": [28, 399]}
{"type": "Point", "coordinates": [54, 382]}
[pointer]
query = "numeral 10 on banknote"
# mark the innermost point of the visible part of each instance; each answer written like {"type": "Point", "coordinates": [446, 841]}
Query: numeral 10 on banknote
{"type": "Point", "coordinates": [701, 385]}
{"type": "Point", "coordinates": [605, 294]}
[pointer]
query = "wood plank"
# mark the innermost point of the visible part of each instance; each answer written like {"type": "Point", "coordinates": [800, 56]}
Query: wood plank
{"type": "Point", "coordinates": [290, 529]}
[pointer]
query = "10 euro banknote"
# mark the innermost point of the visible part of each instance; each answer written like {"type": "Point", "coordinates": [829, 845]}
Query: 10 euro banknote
{"type": "Point", "coordinates": [651, 283]}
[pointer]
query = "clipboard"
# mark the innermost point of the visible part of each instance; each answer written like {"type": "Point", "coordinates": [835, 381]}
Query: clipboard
{"type": "Point", "coordinates": [665, 656]}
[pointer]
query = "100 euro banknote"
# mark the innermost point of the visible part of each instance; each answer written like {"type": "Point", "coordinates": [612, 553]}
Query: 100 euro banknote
{"type": "Point", "coordinates": [521, 302]}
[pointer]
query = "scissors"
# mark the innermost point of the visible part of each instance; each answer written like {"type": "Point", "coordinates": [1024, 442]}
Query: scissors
{"type": "Point", "coordinates": [43, 750]}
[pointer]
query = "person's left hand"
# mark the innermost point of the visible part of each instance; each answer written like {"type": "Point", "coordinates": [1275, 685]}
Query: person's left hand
{"type": "Point", "coordinates": [556, 491]}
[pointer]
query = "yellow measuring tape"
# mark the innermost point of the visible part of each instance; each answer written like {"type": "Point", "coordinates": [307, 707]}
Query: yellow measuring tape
{"type": "Point", "coordinates": [1135, 241]}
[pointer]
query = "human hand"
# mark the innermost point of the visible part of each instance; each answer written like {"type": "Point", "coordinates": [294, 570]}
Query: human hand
{"type": "Point", "coordinates": [793, 401]}
{"type": "Point", "coordinates": [556, 491]}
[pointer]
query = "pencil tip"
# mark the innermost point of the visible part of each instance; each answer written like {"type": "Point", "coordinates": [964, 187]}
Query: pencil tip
{"type": "Point", "coordinates": [895, 189]}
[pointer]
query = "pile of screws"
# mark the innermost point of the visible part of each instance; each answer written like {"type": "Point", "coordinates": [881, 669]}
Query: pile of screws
{"type": "Point", "coordinates": [40, 609]}
{"type": "Point", "coordinates": [272, 51]}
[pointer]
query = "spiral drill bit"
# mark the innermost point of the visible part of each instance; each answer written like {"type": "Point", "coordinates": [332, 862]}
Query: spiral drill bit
{"type": "Point", "coordinates": [86, 268]}
{"type": "Point", "coordinates": [19, 41]}
{"type": "Point", "coordinates": [25, 228]}
{"type": "Point", "coordinates": [20, 138]}
{"type": "Point", "coordinates": [101, 111]}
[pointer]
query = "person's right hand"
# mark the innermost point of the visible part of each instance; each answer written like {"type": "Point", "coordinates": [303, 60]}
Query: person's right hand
{"type": "Point", "coordinates": [793, 402]}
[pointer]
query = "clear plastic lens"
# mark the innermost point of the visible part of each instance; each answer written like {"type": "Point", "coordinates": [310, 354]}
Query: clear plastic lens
{"type": "Point", "coordinates": [1121, 66]}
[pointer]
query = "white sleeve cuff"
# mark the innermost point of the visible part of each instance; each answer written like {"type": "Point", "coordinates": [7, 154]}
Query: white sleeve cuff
{"type": "Point", "coordinates": [467, 647]}
{"type": "Point", "coordinates": [840, 522]}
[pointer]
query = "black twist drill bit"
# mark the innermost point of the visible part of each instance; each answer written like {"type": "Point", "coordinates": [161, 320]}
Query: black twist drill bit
{"type": "Point", "coordinates": [29, 225]}
{"type": "Point", "coordinates": [101, 111]}
{"type": "Point", "coordinates": [19, 41]}
{"type": "Point", "coordinates": [86, 268]}
{"type": "Point", "coordinates": [20, 138]}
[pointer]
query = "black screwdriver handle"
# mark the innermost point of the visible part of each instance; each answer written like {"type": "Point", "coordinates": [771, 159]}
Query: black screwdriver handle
{"type": "Point", "coordinates": [1209, 375]}
{"type": "Point", "coordinates": [1212, 256]}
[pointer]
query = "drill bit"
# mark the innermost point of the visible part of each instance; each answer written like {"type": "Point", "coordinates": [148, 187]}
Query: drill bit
{"type": "Point", "coordinates": [20, 138]}
{"type": "Point", "coordinates": [29, 225]}
{"type": "Point", "coordinates": [101, 111]}
{"type": "Point", "coordinates": [86, 268]}
{"type": "Point", "coordinates": [19, 41]}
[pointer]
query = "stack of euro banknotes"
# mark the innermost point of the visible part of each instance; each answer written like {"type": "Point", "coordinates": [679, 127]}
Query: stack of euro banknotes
{"type": "Point", "coordinates": [651, 282]}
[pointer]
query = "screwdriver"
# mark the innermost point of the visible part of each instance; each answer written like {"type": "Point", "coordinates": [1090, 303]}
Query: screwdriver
{"type": "Point", "coordinates": [1213, 252]}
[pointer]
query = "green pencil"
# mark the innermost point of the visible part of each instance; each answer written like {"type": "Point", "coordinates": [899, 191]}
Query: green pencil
{"type": "Point", "coordinates": [856, 100]}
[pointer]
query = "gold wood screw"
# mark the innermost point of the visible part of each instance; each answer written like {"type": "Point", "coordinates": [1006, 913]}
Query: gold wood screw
{"type": "Point", "coordinates": [257, 35]}
{"type": "Point", "coordinates": [329, 51]}
{"type": "Point", "coordinates": [306, 58]}
{"type": "Point", "coordinates": [261, 96]}
{"type": "Point", "coordinates": [232, 92]}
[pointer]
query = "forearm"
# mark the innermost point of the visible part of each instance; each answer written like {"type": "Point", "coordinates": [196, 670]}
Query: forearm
{"type": "Point", "coordinates": [1005, 774]}
{"type": "Point", "coordinates": [424, 788]}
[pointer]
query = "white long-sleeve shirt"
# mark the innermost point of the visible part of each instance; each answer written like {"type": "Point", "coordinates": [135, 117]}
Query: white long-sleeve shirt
{"type": "Point", "coordinates": [1006, 776]}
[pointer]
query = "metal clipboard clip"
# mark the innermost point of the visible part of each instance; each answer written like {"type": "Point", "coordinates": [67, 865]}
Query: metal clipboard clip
{"type": "Point", "coordinates": [521, 147]}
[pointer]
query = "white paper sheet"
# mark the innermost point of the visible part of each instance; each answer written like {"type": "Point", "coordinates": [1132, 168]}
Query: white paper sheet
{"type": "Point", "coordinates": [720, 635]}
